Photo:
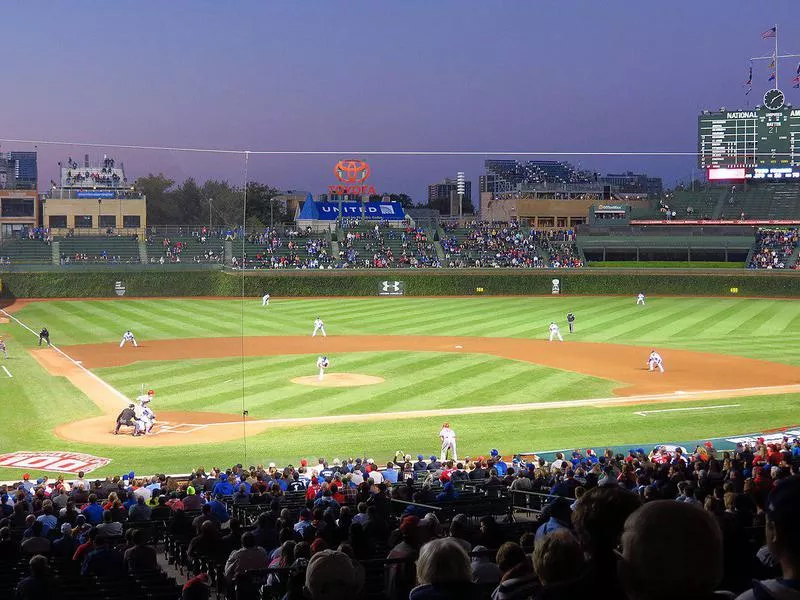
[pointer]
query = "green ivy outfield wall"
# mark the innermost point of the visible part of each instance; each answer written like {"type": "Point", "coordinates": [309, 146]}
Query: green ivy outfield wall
{"type": "Point", "coordinates": [413, 282]}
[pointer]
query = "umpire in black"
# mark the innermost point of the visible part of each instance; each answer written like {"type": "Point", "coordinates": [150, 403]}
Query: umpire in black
{"type": "Point", "coordinates": [44, 335]}
{"type": "Point", "coordinates": [571, 321]}
{"type": "Point", "coordinates": [126, 417]}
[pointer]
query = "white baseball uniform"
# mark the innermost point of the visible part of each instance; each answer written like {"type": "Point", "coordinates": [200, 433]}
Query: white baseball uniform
{"type": "Point", "coordinates": [655, 361]}
{"type": "Point", "coordinates": [128, 337]}
{"type": "Point", "coordinates": [265, 300]}
{"type": "Point", "coordinates": [640, 300]}
{"type": "Point", "coordinates": [554, 332]}
{"type": "Point", "coordinates": [319, 326]}
{"type": "Point", "coordinates": [139, 420]}
{"type": "Point", "coordinates": [322, 364]}
{"type": "Point", "coordinates": [448, 437]}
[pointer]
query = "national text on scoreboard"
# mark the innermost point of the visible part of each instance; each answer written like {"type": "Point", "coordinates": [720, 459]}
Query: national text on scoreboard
{"type": "Point", "coordinates": [747, 138]}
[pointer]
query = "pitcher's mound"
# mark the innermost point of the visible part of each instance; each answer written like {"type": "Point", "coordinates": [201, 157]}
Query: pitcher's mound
{"type": "Point", "coordinates": [338, 380]}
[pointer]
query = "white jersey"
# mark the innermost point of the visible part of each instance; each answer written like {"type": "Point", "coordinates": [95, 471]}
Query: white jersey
{"type": "Point", "coordinates": [640, 297]}
{"type": "Point", "coordinates": [127, 336]}
{"type": "Point", "coordinates": [553, 327]}
{"type": "Point", "coordinates": [143, 399]}
{"type": "Point", "coordinates": [318, 323]}
{"type": "Point", "coordinates": [447, 434]}
{"type": "Point", "coordinates": [322, 362]}
{"type": "Point", "coordinates": [655, 357]}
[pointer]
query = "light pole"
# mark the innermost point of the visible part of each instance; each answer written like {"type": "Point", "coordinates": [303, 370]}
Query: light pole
{"type": "Point", "coordinates": [210, 216]}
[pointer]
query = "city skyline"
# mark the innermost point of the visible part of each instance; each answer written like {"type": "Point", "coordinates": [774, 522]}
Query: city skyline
{"type": "Point", "coordinates": [463, 76]}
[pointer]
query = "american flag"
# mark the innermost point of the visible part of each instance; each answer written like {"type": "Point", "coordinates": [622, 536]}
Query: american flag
{"type": "Point", "coordinates": [769, 33]}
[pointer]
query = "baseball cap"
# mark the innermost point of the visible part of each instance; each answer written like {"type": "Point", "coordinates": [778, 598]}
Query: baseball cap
{"type": "Point", "coordinates": [303, 462]}
{"type": "Point", "coordinates": [190, 491]}
{"type": "Point", "coordinates": [409, 524]}
{"type": "Point", "coordinates": [494, 452]}
{"type": "Point", "coordinates": [432, 457]}
{"type": "Point", "coordinates": [328, 570]}
{"type": "Point", "coordinates": [420, 457]}
{"type": "Point", "coordinates": [26, 476]}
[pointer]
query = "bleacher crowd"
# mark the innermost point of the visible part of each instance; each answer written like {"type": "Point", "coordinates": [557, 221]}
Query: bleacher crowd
{"type": "Point", "coordinates": [774, 248]}
{"type": "Point", "coordinates": [668, 523]}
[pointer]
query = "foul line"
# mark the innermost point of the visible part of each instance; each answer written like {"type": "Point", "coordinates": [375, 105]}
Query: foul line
{"type": "Point", "coordinates": [122, 397]}
{"type": "Point", "coordinates": [644, 413]}
{"type": "Point", "coordinates": [471, 410]}
{"type": "Point", "coordinates": [8, 373]}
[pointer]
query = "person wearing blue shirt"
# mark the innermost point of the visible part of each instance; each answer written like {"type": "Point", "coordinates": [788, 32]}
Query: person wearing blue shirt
{"type": "Point", "coordinates": [499, 464]}
{"type": "Point", "coordinates": [93, 511]}
{"type": "Point", "coordinates": [390, 474]}
{"type": "Point", "coordinates": [218, 510]}
{"type": "Point", "coordinates": [223, 487]}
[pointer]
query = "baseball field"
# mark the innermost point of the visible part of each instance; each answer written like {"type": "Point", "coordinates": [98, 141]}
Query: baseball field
{"type": "Point", "coordinates": [399, 367]}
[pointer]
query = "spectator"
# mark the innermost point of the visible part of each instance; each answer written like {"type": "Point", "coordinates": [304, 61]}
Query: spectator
{"type": "Point", "coordinates": [518, 579]}
{"type": "Point", "coordinates": [484, 571]}
{"type": "Point", "coordinates": [109, 527]}
{"type": "Point", "coordinates": [443, 572]}
{"type": "Point", "coordinates": [330, 575]}
{"type": "Point", "coordinates": [140, 557]}
{"type": "Point", "coordinates": [783, 541]}
{"type": "Point", "coordinates": [39, 585]}
{"type": "Point", "coordinates": [656, 534]}
{"type": "Point", "coordinates": [401, 576]}
{"type": "Point", "coordinates": [558, 515]}
{"type": "Point", "coordinates": [140, 511]}
{"type": "Point", "coordinates": [104, 560]}
{"type": "Point", "coordinates": [557, 558]}
{"type": "Point", "coordinates": [36, 543]}
{"type": "Point", "coordinates": [248, 557]}
{"type": "Point", "coordinates": [65, 546]}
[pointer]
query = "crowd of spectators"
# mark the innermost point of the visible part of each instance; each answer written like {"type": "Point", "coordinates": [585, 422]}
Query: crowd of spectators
{"type": "Point", "coordinates": [668, 523]}
{"type": "Point", "coordinates": [774, 247]}
{"type": "Point", "coordinates": [103, 258]}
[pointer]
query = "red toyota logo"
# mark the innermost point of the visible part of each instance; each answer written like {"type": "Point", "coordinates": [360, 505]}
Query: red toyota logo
{"type": "Point", "coordinates": [352, 171]}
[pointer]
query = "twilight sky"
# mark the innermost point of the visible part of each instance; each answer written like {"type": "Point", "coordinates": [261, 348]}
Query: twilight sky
{"type": "Point", "coordinates": [361, 75]}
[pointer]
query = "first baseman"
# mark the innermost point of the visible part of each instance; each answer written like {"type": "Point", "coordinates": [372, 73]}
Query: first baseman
{"type": "Point", "coordinates": [448, 437]}
{"type": "Point", "coordinates": [265, 300]}
{"type": "Point", "coordinates": [3, 348]}
{"type": "Point", "coordinates": [128, 337]}
{"type": "Point", "coordinates": [319, 326]}
{"type": "Point", "coordinates": [555, 332]}
{"type": "Point", "coordinates": [655, 361]}
{"type": "Point", "coordinates": [322, 364]}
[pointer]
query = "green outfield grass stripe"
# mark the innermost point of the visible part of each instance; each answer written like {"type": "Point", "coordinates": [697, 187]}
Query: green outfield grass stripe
{"type": "Point", "coordinates": [773, 325]}
{"type": "Point", "coordinates": [81, 319]}
{"type": "Point", "coordinates": [594, 323]}
{"type": "Point", "coordinates": [202, 320]}
{"type": "Point", "coordinates": [731, 325]}
{"type": "Point", "coordinates": [667, 322]}
{"type": "Point", "coordinates": [712, 314]}
{"type": "Point", "coordinates": [144, 323]}
{"type": "Point", "coordinates": [757, 319]}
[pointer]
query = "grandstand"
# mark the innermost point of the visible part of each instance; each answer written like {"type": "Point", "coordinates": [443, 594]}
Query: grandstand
{"type": "Point", "coordinates": [378, 245]}
{"type": "Point", "coordinates": [167, 249]}
{"type": "Point", "coordinates": [17, 251]}
{"type": "Point", "coordinates": [764, 201]}
{"type": "Point", "coordinates": [701, 204]}
{"type": "Point", "coordinates": [285, 249]}
{"type": "Point", "coordinates": [98, 249]}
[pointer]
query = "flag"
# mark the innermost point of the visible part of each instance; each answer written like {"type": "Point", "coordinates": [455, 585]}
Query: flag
{"type": "Point", "coordinates": [769, 33]}
{"type": "Point", "coordinates": [747, 91]}
{"type": "Point", "coordinates": [750, 76]}
{"type": "Point", "coordinates": [798, 68]}
{"type": "Point", "coordinates": [771, 76]}
{"type": "Point", "coordinates": [796, 79]}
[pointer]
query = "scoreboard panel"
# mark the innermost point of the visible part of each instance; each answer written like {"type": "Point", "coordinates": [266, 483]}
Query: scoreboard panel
{"type": "Point", "coordinates": [749, 138]}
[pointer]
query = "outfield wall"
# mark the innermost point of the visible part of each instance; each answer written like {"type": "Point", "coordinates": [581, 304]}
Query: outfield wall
{"type": "Point", "coordinates": [416, 283]}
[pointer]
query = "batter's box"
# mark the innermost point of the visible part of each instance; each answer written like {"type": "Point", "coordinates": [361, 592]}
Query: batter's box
{"type": "Point", "coordinates": [181, 428]}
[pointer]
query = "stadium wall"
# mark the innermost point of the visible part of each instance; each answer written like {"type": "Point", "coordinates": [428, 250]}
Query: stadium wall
{"type": "Point", "coordinates": [415, 283]}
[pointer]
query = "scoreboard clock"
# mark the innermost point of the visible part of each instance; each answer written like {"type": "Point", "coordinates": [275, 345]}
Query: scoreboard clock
{"type": "Point", "coordinates": [768, 135]}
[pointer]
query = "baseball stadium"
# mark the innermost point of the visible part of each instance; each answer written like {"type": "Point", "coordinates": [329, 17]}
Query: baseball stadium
{"type": "Point", "coordinates": [250, 382]}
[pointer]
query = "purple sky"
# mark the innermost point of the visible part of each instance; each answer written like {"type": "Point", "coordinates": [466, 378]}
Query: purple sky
{"type": "Point", "coordinates": [524, 75]}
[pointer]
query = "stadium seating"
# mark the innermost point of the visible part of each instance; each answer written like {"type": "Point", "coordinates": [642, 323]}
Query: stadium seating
{"type": "Point", "coordinates": [764, 201]}
{"type": "Point", "coordinates": [285, 248]}
{"type": "Point", "coordinates": [16, 251]}
{"type": "Point", "coordinates": [688, 204]}
{"type": "Point", "coordinates": [175, 250]}
{"type": "Point", "coordinates": [775, 249]}
{"type": "Point", "coordinates": [377, 245]}
{"type": "Point", "coordinates": [98, 249]}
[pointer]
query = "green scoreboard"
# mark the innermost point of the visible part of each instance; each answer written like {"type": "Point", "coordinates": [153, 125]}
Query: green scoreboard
{"type": "Point", "coordinates": [768, 135]}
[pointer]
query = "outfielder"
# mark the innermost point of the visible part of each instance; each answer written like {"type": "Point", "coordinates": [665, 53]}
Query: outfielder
{"type": "Point", "coordinates": [655, 360]}
{"type": "Point", "coordinates": [555, 332]}
{"type": "Point", "coordinates": [640, 299]}
{"type": "Point", "coordinates": [3, 348]}
{"type": "Point", "coordinates": [126, 417]}
{"type": "Point", "coordinates": [265, 300]}
{"type": "Point", "coordinates": [319, 326]}
{"type": "Point", "coordinates": [448, 437]}
{"type": "Point", "coordinates": [322, 364]}
{"type": "Point", "coordinates": [128, 337]}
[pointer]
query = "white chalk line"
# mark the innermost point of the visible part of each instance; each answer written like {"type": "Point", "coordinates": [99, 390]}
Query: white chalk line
{"type": "Point", "coordinates": [10, 376]}
{"type": "Point", "coordinates": [468, 410]}
{"type": "Point", "coordinates": [644, 413]}
{"type": "Point", "coordinates": [120, 396]}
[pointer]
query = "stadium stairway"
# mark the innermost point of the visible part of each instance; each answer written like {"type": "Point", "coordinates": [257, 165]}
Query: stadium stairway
{"type": "Point", "coordinates": [793, 258]}
{"type": "Point", "coordinates": [439, 251]}
{"type": "Point", "coordinates": [143, 253]}
{"type": "Point", "coordinates": [720, 205]}
{"type": "Point", "coordinates": [56, 254]}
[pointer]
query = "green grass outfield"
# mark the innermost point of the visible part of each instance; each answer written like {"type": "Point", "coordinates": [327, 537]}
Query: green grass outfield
{"type": "Point", "coordinates": [664, 264]}
{"type": "Point", "coordinates": [34, 402]}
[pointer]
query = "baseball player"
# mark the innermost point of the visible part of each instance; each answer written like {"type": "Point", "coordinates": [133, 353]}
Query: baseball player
{"type": "Point", "coordinates": [265, 300]}
{"type": "Point", "coordinates": [3, 348]}
{"type": "Point", "coordinates": [655, 361]}
{"type": "Point", "coordinates": [322, 364]}
{"type": "Point", "coordinates": [640, 299]}
{"type": "Point", "coordinates": [126, 417]}
{"type": "Point", "coordinates": [44, 335]}
{"type": "Point", "coordinates": [555, 332]}
{"type": "Point", "coordinates": [144, 418]}
{"type": "Point", "coordinates": [149, 417]}
{"type": "Point", "coordinates": [448, 437]}
{"type": "Point", "coordinates": [128, 337]}
{"type": "Point", "coordinates": [571, 321]}
{"type": "Point", "coordinates": [319, 326]}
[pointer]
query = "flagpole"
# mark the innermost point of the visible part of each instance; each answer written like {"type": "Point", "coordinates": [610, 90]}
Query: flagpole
{"type": "Point", "coordinates": [776, 56]}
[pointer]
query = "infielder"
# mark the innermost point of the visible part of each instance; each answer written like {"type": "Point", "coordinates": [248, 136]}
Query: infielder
{"type": "Point", "coordinates": [571, 321]}
{"type": "Point", "coordinates": [655, 360]}
{"type": "Point", "coordinates": [3, 348]}
{"type": "Point", "coordinates": [319, 326]}
{"type": "Point", "coordinates": [322, 364]}
{"type": "Point", "coordinates": [128, 337]}
{"type": "Point", "coordinates": [555, 332]}
{"type": "Point", "coordinates": [640, 299]}
{"type": "Point", "coordinates": [448, 437]}
{"type": "Point", "coordinates": [44, 335]}
{"type": "Point", "coordinates": [265, 300]}
{"type": "Point", "coordinates": [126, 417]}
